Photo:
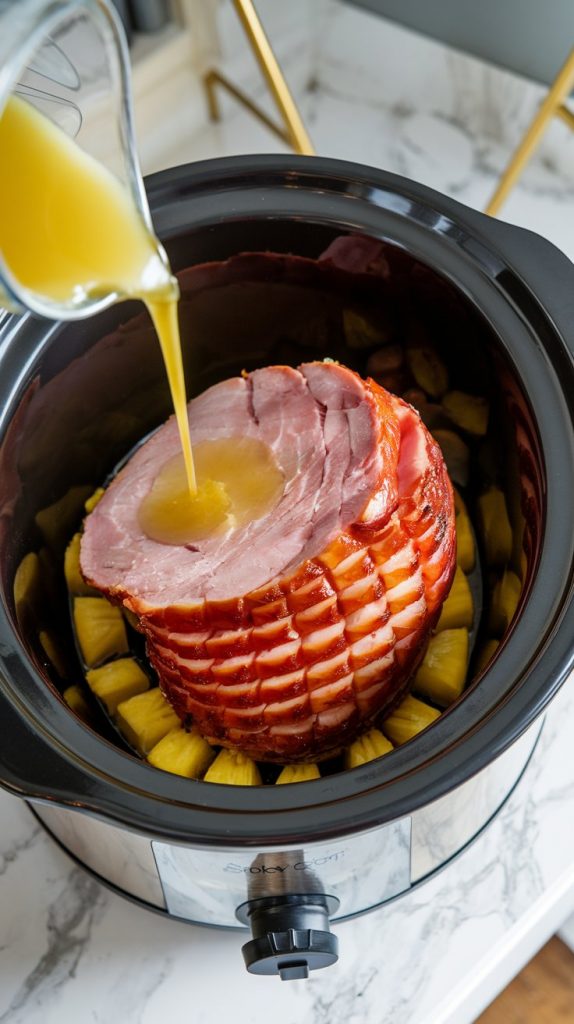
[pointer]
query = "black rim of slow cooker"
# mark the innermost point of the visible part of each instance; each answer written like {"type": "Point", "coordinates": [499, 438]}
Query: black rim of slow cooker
{"type": "Point", "coordinates": [49, 755]}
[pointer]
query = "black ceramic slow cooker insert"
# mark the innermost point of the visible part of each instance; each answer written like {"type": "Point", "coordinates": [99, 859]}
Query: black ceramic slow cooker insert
{"type": "Point", "coordinates": [75, 398]}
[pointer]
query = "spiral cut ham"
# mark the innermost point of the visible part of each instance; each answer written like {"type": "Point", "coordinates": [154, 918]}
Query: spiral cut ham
{"type": "Point", "coordinates": [287, 637]}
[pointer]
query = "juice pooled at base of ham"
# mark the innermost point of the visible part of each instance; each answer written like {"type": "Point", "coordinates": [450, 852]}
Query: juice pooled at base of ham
{"type": "Point", "coordinates": [286, 635]}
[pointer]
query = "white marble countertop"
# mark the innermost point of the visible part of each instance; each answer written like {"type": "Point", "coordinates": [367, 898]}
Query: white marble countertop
{"type": "Point", "coordinates": [71, 951]}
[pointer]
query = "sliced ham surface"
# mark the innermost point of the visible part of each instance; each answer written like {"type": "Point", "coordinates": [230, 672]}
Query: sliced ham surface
{"type": "Point", "coordinates": [289, 636]}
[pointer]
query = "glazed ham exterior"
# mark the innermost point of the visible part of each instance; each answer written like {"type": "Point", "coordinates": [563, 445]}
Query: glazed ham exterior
{"type": "Point", "coordinates": [289, 636]}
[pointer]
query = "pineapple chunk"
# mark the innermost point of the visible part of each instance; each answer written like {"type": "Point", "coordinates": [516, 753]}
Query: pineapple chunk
{"type": "Point", "coordinates": [385, 360]}
{"type": "Point", "coordinates": [465, 547]}
{"type": "Point", "coordinates": [93, 500]}
{"type": "Point", "coordinates": [458, 609]}
{"type": "Point", "coordinates": [297, 773]}
{"type": "Point", "coordinates": [366, 748]}
{"type": "Point", "coordinates": [465, 550]}
{"type": "Point", "coordinates": [27, 586]}
{"type": "Point", "coordinates": [487, 652]}
{"type": "Point", "coordinates": [131, 619]}
{"type": "Point", "coordinates": [117, 681]}
{"type": "Point", "coordinates": [182, 753]}
{"type": "Point", "coordinates": [360, 332]}
{"type": "Point", "coordinates": [144, 720]}
{"type": "Point", "coordinates": [428, 369]}
{"type": "Point", "coordinates": [495, 526]}
{"type": "Point", "coordinates": [459, 504]}
{"type": "Point", "coordinates": [77, 703]}
{"type": "Point", "coordinates": [505, 598]}
{"type": "Point", "coordinates": [442, 672]}
{"type": "Point", "coordinates": [234, 769]}
{"type": "Point", "coordinates": [52, 652]}
{"type": "Point", "coordinates": [100, 630]}
{"type": "Point", "coordinates": [57, 521]}
{"type": "Point", "coordinates": [74, 579]}
{"type": "Point", "coordinates": [455, 454]}
{"type": "Point", "coordinates": [468, 411]}
{"type": "Point", "coordinates": [410, 718]}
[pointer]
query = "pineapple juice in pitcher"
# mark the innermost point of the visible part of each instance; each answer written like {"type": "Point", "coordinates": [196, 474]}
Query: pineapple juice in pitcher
{"type": "Point", "coordinates": [70, 231]}
{"type": "Point", "coordinates": [76, 237]}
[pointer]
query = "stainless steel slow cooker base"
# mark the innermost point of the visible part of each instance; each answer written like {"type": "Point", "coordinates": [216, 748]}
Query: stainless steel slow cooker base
{"type": "Point", "coordinates": [207, 886]}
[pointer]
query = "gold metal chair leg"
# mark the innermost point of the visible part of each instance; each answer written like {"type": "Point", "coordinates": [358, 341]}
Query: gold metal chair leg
{"type": "Point", "coordinates": [292, 130]}
{"type": "Point", "coordinates": [566, 115]}
{"type": "Point", "coordinates": [213, 108]}
{"type": "Point", "coordinates": [214, 79]}
{"type": "Point", "coordinates": [552, 105]}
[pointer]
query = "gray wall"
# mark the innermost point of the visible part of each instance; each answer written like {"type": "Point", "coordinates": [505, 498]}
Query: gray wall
{"type": "Point", "coordinates": [530, 37]}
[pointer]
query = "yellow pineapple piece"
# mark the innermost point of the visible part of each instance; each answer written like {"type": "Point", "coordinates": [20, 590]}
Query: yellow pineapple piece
{"type": "Point", "coordinates": [100, 630]}
{"type": "Point", "coordinates": [495, 526]}
{"type": "Point", "coordinates": [117, 681]}
{"type": "Point", "coordinates": [297, 773]}
{"type": "Point", "coordinates": [441, 674]}
{"type": "Point", "coordinates": [233, 768]}
{"type": "Point", "coordinates": [458, 609]}
{"type": "Point", "coordinates": [27, 587]}
{"type": "Point", "coordinates": [468, 411]}
{"type": "Point", "coordinates": [505, 598]}
{"type": "Point", "coordinates": [428, 369]}
{"type": "Point", "coordinates": [74, 579]}
{"type": "Point", "coordinates": [93, 500]}
{"type": "Point", "coordinates": [367, 747]}
{"type": "Point", "coordinates": [57, 521]}
{"type": "Point", "coordinates": [52, 651]}
{"type": "Point", "coordinates": [182, 753]}
{"type": "Point", "coordinates": [77, 702]}
{"type": "Point", "coordinates": [360, 332]}
{"type": "Point", "coordinates": [385, 360]}
{"type": "Point", "coordinates": [131, 619]}
{"type": "Point", "coordinates": [455, 454]}
{"type": "Point", "coordinates": [465, 547]}
{"type": "Point", "coordinates": [410, 718]}
{"type": "Point", "coordinates": [487, 652]}
{"type": "Point", "coordinates": [145, 719]}
{"type": "Point", "coordinates": [459, 503]}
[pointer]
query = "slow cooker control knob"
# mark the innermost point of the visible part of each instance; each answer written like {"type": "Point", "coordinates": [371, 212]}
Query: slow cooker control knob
{"type": "Point", "coordinates": [291, 935]}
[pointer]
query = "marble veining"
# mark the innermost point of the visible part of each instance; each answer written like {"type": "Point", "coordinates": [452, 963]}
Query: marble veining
{"type": "Point", "coordinates": [69, 920]}
{"type": "Point", "coordinates": [8, 856]}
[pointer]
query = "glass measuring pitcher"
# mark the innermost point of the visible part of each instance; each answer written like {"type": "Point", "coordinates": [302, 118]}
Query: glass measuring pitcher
{"type": "Point", "coordinates": [69, 59]}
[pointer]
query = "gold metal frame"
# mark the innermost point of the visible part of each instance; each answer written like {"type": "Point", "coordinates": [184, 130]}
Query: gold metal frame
{"type": "Point", "coordinates": [552, 106]}
{"type": "Point", "coordinates": [291, 130]}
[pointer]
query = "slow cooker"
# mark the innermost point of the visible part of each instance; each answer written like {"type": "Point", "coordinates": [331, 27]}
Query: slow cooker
{"type": "Point", "coordinates": [75, 398]}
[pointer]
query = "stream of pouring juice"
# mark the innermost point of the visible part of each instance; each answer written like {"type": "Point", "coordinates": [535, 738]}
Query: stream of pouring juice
{"type": "Point", "coordinates": [69, 229]}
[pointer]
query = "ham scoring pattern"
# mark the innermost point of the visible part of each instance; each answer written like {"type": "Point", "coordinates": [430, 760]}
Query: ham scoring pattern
{"type": "Point", "coordinates": [296, 669]}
